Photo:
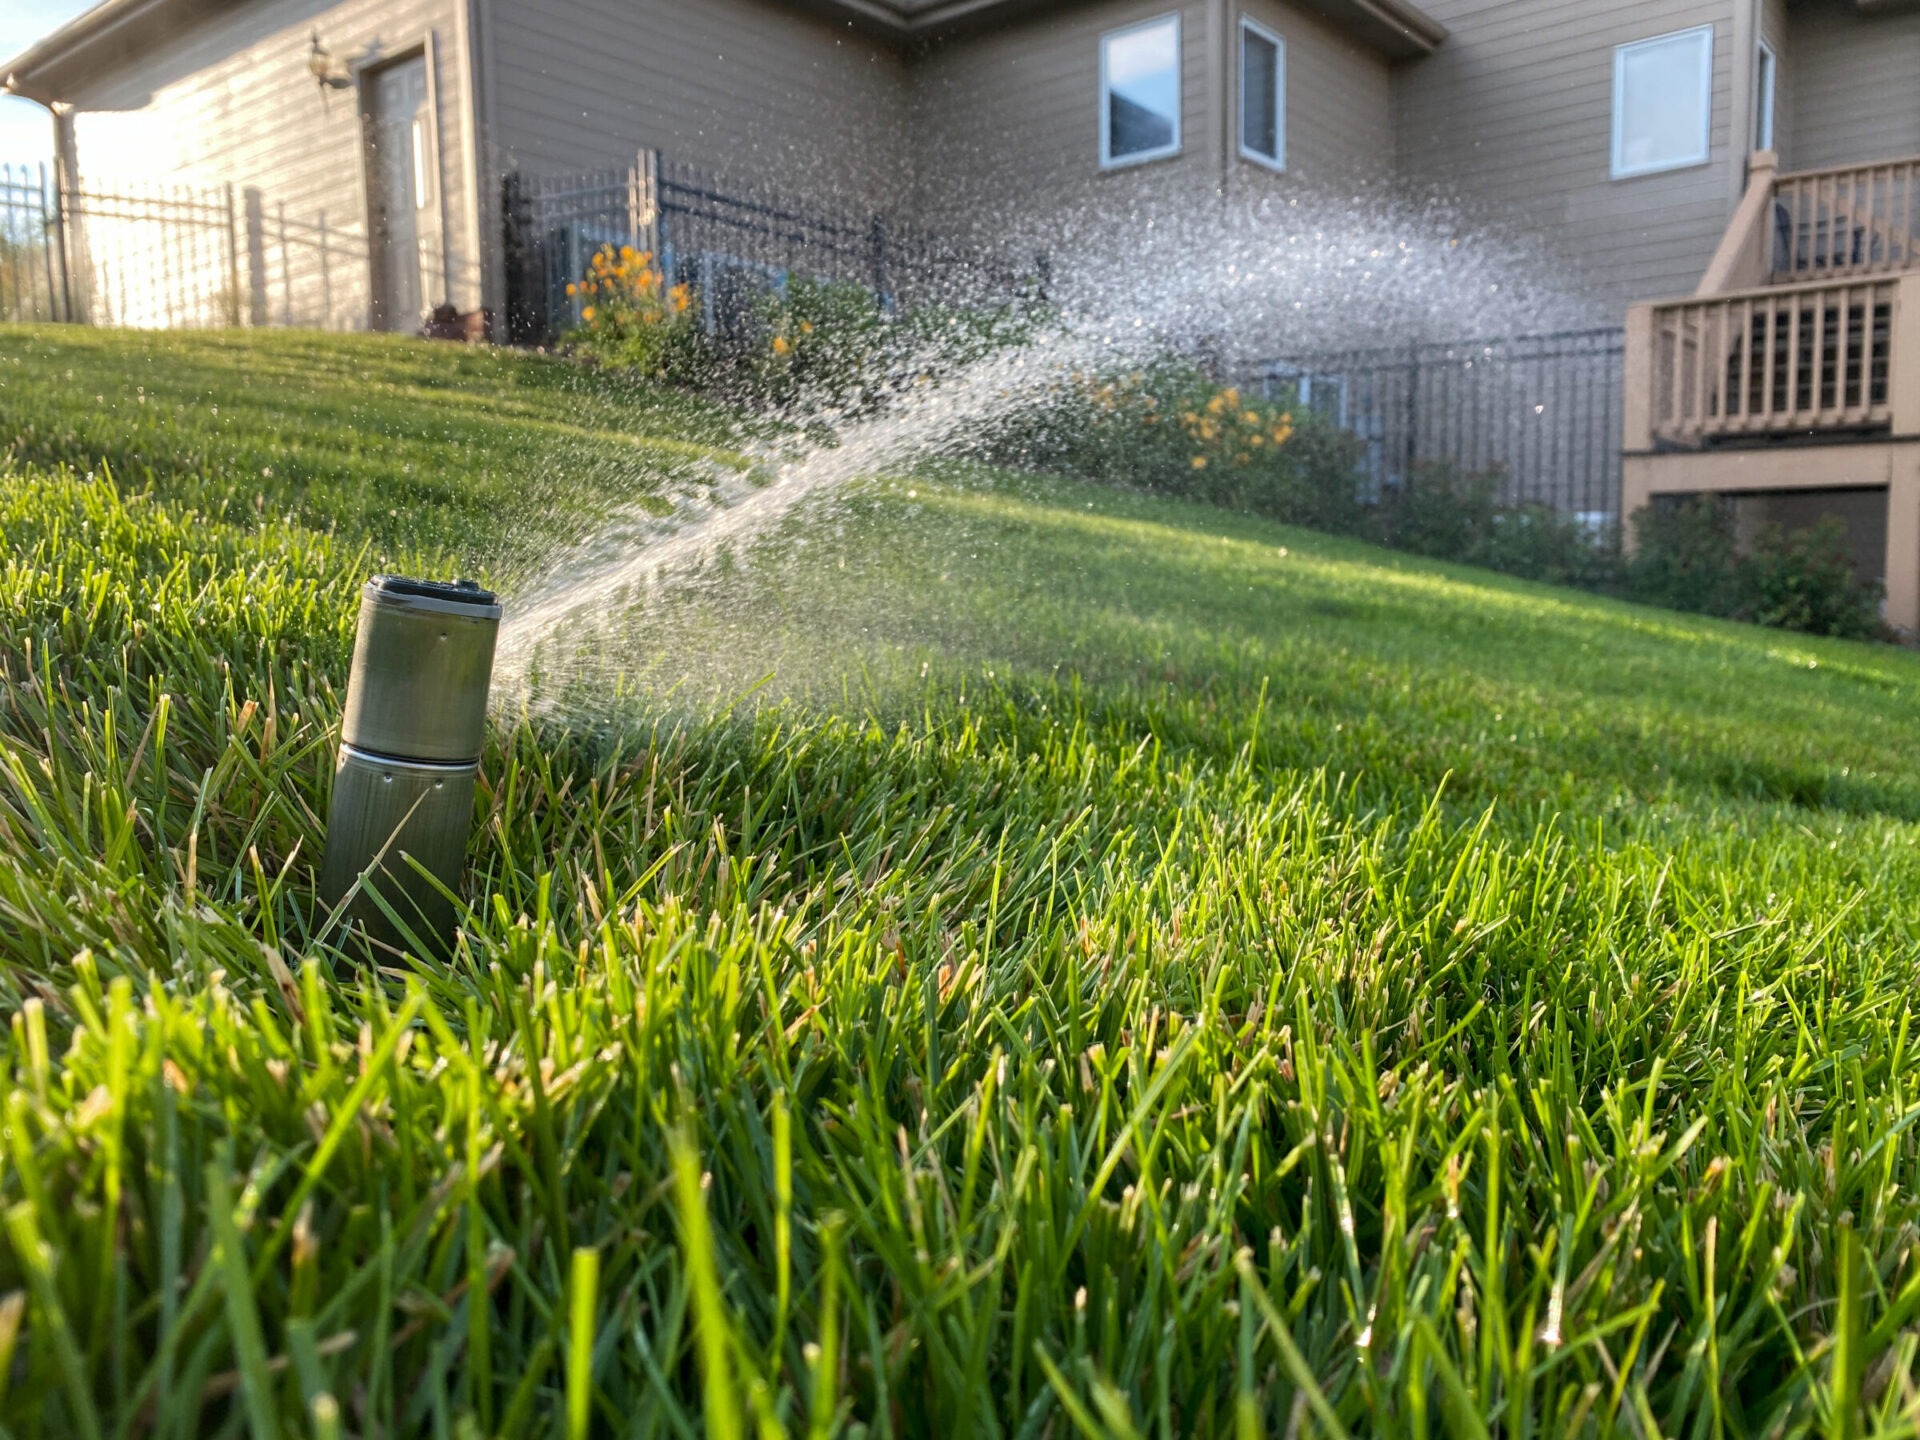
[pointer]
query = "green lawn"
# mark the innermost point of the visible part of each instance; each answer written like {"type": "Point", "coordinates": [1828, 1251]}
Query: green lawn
{"type": "Point", "coordinates": [1029, 960]}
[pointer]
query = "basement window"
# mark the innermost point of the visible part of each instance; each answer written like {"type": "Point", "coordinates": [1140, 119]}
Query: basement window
{"type": "Point", "coordinates": [1663, 103]}
{"type": "Point", "coordinates": [1140, 92]}
{"type": "Point", "coordinates": [1263, 95]}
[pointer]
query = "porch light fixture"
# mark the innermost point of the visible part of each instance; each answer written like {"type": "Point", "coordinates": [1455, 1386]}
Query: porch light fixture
{"type": "Point", "coordinates": [328, 73]}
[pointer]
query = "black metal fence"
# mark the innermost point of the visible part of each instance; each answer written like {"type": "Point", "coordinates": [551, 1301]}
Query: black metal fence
{"type": "Point", "coordinates": [1543, 410]}
{"type": "Point", "coordinates": [171, 257]}
{"type": "Point", "coordinates": [730, 242]}
{"type": "Point", "coordinates": [34, 279]}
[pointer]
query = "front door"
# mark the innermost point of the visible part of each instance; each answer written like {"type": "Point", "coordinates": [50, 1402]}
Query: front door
{"type": "Point", "coordinates": [403, 198]}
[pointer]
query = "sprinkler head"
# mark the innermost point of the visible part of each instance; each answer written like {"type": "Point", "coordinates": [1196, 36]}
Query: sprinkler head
{"type": "Point", "coordinates": [410, 745]}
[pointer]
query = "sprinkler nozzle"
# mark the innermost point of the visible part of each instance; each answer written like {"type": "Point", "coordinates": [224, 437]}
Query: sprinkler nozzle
{"type": "Point", "coordinates": [410, 745]}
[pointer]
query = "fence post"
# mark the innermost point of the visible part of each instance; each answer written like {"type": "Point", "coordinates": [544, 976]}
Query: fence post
{"type": "Point", "coordinates": [232, 306]}
{"type": "Point", "coordinates": [286, 270]}
{"type": "Point", "coordinates": [643, 205]}
{"type": "Point", "coordinates": [256, 256]}
{"type": "Point", "coordinates": [59, 247]}
{"type": "Point", "coordinates": [880, 262]}
{"type": "Point", "coordinates": [1413, 416]}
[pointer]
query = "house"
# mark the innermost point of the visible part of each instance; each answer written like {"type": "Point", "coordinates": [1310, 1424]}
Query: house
{"type": "Point", "coordinates": [1707, 149]}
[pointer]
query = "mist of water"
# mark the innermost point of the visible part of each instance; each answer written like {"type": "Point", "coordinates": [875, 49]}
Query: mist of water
{"type": "Point", "coordinates": [1233, 284]}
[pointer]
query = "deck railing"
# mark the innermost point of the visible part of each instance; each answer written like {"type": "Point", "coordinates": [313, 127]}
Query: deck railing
{"type": "Point", "coordinates": [1853, 220]}
{"type": "Point", "coordinates": [1827, 355]}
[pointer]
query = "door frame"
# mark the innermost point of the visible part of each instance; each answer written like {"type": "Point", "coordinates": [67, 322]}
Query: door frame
{"type": "Point", "coordinates": [366, 71]}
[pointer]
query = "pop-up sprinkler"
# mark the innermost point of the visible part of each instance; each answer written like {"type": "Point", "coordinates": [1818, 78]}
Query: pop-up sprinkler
{"type": "Point", "coordinates": [409, 753]}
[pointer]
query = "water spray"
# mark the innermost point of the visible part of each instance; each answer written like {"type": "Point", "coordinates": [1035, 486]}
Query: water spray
{"type": "Point", "coordinates": [410, 747]}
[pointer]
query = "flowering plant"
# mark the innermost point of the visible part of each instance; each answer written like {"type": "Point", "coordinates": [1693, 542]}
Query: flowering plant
{"type": "Point", "coordinates": [631, 318]}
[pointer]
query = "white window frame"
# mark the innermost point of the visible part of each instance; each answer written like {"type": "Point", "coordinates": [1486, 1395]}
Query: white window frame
{"type": "Point", "coordinates": [1768, 84]}
{"type": "Point", "coordinates": [1108, 161]}
{"type": "Point", "coordinates": [1277, 160]}
{"type": "Point", "coordinates": [1705, 154]}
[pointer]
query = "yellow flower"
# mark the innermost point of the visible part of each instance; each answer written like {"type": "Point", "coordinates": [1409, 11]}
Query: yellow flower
{"type": "Point", "coordinates": [572, 288]}
{"type": "Point", "coordinates": [1230, 397]}
{"type": "Point", "coordinates": [1199, 462]}
{"type": "Point", "coordinates": [806, 327]}
{"type": "Point", "coordinates": [587, 314]}
{"type": "Point", "coordinates": [681, 297]}
{"type": "Point", "coordinates": [780, 345]}
{"type": "Point", "coordinates": [629, 254]}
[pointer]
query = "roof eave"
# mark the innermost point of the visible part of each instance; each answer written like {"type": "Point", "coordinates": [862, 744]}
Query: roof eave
{"type": "Point", "coordinates": [1397, 28]}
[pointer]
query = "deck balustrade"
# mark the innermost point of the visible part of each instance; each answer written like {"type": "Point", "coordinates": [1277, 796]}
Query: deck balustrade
{"type": "Point", "coordinates": [1855, 220]}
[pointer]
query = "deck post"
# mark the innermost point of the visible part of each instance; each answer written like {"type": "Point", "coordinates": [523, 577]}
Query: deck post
{"type": "Point", "coordinates": [1903, 359]}
{"type": "Point", "coordinates": [1902, 606]}
{"type": "Point", "coordinates": [643, 207]}
{"type": "Point", "coordinates": [1637, 397]}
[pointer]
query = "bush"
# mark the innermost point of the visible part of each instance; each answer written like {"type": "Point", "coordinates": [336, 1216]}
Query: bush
{"type": "Point", "coordinates": [1454, 515]}
{"type": "Point", "coordinates": [1684, 557]}
{"type": "Point", "coordinates": [819, 344]}
{"type": "Point", "coordinates": [1169, 429]}
{"type": "Point", "coordinates": [633, 320]}
{"type": "Point", "coordinates": [1687, 557]}
{"type": "Point", "coordinates": [1804, 580]}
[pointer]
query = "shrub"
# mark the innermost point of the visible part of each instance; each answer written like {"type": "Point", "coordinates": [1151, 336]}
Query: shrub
{"type": "Point", "coordinates": [1684, 557]}
{"type": "Point", "coordinates": [819, 344]}
{"type": "Point", "coordinates": [1454, 515]}
{"type": "Point", "coordinates": [1168, 428]}
{"type": "Point", "coordinates": [631, 319]}
{"type": "Point", "coordinates": [1687, 557]}
{"type": "Point", "coordinates": [1804, 580]}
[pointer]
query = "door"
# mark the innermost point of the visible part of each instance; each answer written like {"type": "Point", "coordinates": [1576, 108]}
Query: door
{"type": "Point", "coordinates": [403, 201]}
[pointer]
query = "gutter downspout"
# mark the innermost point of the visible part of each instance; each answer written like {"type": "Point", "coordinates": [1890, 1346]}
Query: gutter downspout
{"type": "Point", "coordinates": [1219, 87]}
{"type": "Point", "coordinates": [1740, 117]}
{"type": "Point", "coordinates": [483, 172]}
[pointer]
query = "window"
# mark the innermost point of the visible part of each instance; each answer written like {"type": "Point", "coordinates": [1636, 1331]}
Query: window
{"type": "Point", "coordinates": [1768, 78]}
{"type": "Point", "coordinates": [1140, 92]}
{"type": "Point", "coordinates": [1663, 103]}
{"type": "Point", "coordinates": [1263, 95]}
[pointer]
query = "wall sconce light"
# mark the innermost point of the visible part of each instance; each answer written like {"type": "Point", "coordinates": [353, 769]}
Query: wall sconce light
{"type": "Point", "coordinates": [328, 73]}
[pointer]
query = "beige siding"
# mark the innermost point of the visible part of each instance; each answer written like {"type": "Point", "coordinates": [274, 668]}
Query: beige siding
{"type": "Point", "coordinates": [1339, 100]}
{"type": "Point", "coordinates": [1513, 118]}
{"type": "Point", "coordinates": [1007, 123]}
{"type": "Point", "coordinates": [1856, 84]}
{"type": "Point", "coordinates": [230, 102]}
{"type": "Point", "coordinates": [746, 88]}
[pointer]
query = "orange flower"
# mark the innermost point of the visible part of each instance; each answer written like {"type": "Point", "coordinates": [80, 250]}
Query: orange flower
{"type": "Point", "coordinates": [587, 314]}
{"type": "Point", "coordinates": [780, 345]}
{"type": "Point", "coordinates": [1199, 462]}
{"type": "Point", "coordinates": [572, 288]}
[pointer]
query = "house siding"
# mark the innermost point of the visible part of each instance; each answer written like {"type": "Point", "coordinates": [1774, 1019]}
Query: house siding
{"type": "Point", "coordinates": [1512, 118]}
{"type": "Point", "coordinates": [1339, 101]}
{"type": "Point", "coordinates": [1007, 123]}
{"type": "Point", "coordinates": [1856, 84]}
{"type": "Point", "coordinates": [749, 90]}
{"type": "Point", "coordinates": [230, 101]}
